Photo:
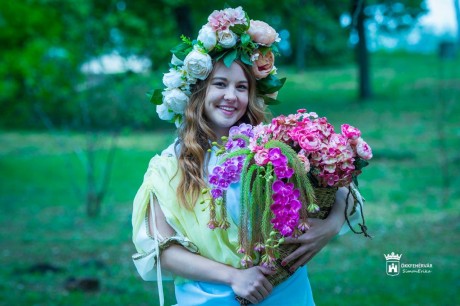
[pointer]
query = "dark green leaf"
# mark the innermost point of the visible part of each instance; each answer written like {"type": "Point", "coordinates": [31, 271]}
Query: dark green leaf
{"type": "Point", "coordinates": [156, 97]}
{"type": "Point", "coordinates": [360, 163]}
{"type": "Point", "coordinates": [270, 84]}
{"type": "Point", "coordinates": [230, 57]}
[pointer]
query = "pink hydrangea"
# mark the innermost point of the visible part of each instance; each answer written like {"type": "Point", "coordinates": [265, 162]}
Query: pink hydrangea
{"type": "Point", "coordinates": [224, 19]}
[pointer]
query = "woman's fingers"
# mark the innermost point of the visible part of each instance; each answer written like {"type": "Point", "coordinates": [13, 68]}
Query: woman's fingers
{"type": "Point", "coordinates": [294, 255]}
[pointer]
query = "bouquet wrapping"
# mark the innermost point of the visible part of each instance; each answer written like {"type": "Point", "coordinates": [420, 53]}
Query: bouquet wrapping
{"type": "Point", "coordinates": [289, 171]}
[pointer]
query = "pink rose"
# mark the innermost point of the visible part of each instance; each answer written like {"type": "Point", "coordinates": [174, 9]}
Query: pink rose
{"type": "Point", "coordinates": [263, 65]}
{"type": "Point", "coordinates": [261, 157]}
{"type": "Point", "coordinates": [350, 131]}
{"type": "Point", "coordinates": [262, 33]}
{"type": "Point", "coordinates": [363, 149]}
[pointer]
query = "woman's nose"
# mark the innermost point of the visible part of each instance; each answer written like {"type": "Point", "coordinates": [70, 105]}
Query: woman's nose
{"type": "Point", "coordinates": [230, 94]}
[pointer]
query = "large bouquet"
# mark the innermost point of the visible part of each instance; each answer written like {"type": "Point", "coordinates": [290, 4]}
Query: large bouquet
{"type": "Point", "coordinates": [290, 170]}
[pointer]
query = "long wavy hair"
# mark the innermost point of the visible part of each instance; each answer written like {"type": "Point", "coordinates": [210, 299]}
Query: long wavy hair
{"type": "Point", "coordinates": [196, 135]}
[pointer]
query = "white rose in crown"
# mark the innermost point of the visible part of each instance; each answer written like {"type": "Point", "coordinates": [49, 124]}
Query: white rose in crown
{"type": "Point", "coordinates": [198, 65]}
{"type": "Point", "coordinates": [208, 37]}
{"type": "Point", "coordinates": [175, 99]}
{"type": "Point", "coordinates": [173, 79]}
{"type": "Point", "coordinates": [164, 113]}
{"type": "Point", "coordinates": [227, 38]}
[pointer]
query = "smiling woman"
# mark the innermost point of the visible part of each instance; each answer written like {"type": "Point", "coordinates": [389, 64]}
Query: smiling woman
{"type": "Point", "coordinates": [220, 80]}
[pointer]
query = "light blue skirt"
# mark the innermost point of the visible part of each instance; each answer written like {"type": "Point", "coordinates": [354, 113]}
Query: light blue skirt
{"type": "Point", "coordinates": [295, 291]}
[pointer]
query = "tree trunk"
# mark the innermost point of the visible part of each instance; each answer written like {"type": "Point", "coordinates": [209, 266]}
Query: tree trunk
{"type": "Point", "coordinates": [362, 54]}
{"type": "Point", "coordinates": [301, 39]}
{"type": "Point", "coordinates": [457, 15]}
{"type": "Point", "coordinates": [93, 205]}
{"type": "Point", "coordinates": [182, 14]}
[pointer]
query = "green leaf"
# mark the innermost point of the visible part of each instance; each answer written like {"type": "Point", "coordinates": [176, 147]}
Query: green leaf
{"type": "Point", "coordinates": [264, 50]}
{"type": "Point", "coordinates": [180, 47]}
{"type": "Point", "coordinates": [239, 29]}
{"type": "Point", "coordinates": [181, 50]}
{"type": "Point", "coordinates": [270, 84]}
{"type": "Point", "coordinates": [245, 39]}
{"type": "Point", "coordinates": [220, 56]}
{"type": "Point", "coordinates": [230, 57]}
{"type": "Point", "coordinates": [270, 101]}
{"type": "Point", "coordinates": [156, 97]}
{"type": "Point", "coordinates": [246, 59]}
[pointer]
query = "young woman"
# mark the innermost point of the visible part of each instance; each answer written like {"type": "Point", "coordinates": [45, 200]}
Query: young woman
{"type": "Point", "coordinates": [171, 227]}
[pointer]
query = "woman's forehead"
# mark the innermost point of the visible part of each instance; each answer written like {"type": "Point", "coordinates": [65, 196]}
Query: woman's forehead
{"type": "Point", "coordinates": [233, 72]}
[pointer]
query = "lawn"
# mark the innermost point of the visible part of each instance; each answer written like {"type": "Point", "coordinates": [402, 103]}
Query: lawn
{"type": "Point", "coordinates": [411, 187]}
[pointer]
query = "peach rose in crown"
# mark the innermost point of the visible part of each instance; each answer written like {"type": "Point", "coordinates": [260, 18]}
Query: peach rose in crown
{"type": "Point", "coordinates": [262, 33]}
{"type": "Point", "coordinates": [263, 64]}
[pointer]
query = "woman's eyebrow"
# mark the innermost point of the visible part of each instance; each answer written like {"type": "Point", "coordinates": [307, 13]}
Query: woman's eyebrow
{"type": "Point", "coordinates": [221, 78]}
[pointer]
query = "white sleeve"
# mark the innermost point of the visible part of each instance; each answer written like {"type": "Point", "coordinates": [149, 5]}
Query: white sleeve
{"type": "Point", "coordinates": [356, 215]}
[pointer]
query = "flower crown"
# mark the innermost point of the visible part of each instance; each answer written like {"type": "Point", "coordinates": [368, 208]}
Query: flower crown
{"type": "Point", "coordinates": [229, 35]}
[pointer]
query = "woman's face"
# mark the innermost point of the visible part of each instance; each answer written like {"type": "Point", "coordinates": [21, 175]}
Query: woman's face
{"type": "Point", "coordinates": [227, 97]}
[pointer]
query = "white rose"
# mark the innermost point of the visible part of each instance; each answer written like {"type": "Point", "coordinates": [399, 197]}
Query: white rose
{"type": "Point", "coordinates": [198, 65]}
{"type": "Point", "coordinates": [176, 61]}
{"type": "Point", "coordinates": [175, 100]}
{"type": "Point", "coordinates": [164, 113]}
{"type": "Point", "coordinates": [227, 39]}
{"type": "Point", "coordinates": [173, 79]}
{"type": "Point", "coordinates": [208, 37]}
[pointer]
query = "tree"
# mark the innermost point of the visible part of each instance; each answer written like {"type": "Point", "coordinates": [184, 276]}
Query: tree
{"type": "Point", "coordinates": [457, 17]}
{"type": "Point", "coordinates": [362, 53]}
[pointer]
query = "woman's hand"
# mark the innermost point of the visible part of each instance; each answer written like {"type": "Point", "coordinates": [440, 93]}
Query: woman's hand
{"type": "Point", "coordinates": [252, 284]}
{"type": "Point", "coordinates": [311, 242]}
{"type": "Point", "coordinates": [320, 232]}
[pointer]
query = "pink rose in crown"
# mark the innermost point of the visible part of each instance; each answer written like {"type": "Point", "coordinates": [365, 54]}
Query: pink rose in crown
{"type": "Point", "coordinates": [262, 33]}
{"type": "Point", "coordinates": [263, 65]}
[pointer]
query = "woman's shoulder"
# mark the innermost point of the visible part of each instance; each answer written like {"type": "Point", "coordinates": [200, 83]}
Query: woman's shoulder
{"type": "Point", "coordinates": [164, 164]}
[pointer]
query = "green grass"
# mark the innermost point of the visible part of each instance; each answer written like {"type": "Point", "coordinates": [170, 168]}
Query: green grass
{"type": "Point", "coordinates": [410, 208]}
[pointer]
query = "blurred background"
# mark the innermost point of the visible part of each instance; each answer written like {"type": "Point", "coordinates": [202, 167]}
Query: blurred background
{"type": "Point", "coordinates": [77, 132]}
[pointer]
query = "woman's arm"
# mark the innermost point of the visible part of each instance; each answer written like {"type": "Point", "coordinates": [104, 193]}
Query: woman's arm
{"type": "Point", "coordinates": [250, 284]}
{"type": "Point", "coordinates": [320, 232]}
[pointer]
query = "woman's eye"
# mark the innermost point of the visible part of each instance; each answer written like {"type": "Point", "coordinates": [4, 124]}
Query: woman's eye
{"type": "Point", "coordinates": [219, 84]}
{"type": "Point", "coordinates": [243, 87]}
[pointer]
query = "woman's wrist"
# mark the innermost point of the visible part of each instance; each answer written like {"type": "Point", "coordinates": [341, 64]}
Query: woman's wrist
{"type": "Point", "coordinates": [229, 275]}
{"type": "Point", "coordinates": [336, 217]}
